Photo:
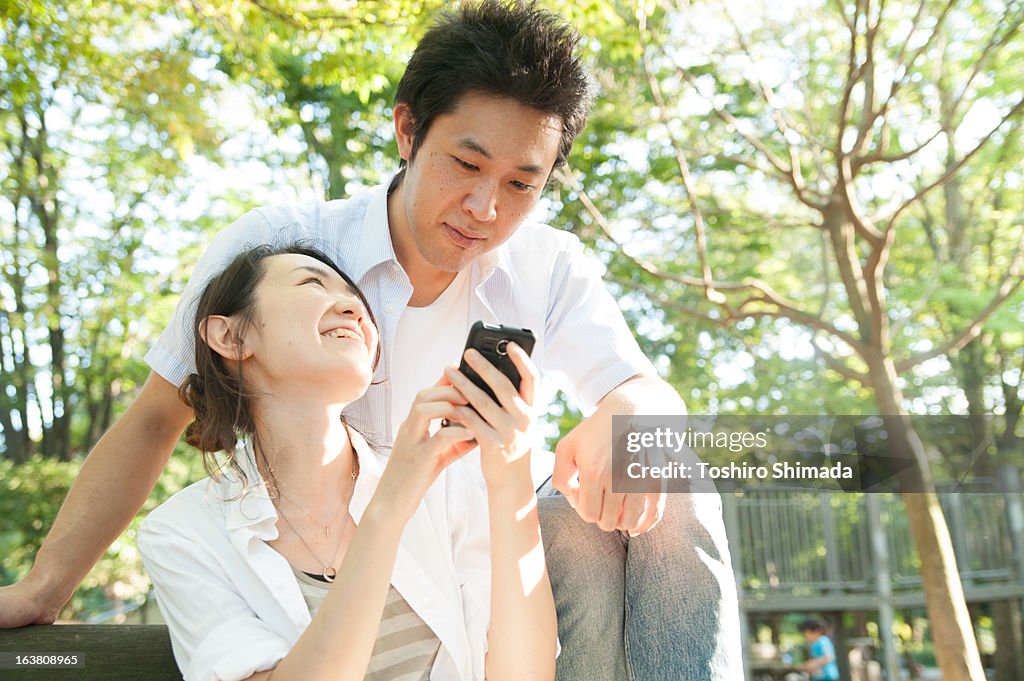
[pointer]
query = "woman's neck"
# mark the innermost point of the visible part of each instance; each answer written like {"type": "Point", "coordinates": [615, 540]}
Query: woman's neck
{"type": "Point", "coordinates": [307, 447]}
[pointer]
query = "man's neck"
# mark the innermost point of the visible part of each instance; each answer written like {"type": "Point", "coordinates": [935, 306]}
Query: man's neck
{"type": "Point", "coordinates": [428, 282]}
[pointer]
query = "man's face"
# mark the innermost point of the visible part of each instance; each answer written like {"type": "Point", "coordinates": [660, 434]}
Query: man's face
{"type": "Point", "coordinates": [476, 176]}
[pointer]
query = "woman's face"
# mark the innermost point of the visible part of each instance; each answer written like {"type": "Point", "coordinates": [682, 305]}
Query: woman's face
{"type": "Point", "coordinates": [310, 330]}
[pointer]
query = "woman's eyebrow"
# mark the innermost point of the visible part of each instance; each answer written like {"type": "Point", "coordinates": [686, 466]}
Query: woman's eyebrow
{"type": "Point", "coordinates": [314, 270]}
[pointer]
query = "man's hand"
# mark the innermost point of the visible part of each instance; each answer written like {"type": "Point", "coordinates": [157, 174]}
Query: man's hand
{"type": "Point", "coordinates": [583, 459]}
{"type": "Point", "coordinates": [113, 483]}
{"type": "Point", "coordinates": [21, 606]}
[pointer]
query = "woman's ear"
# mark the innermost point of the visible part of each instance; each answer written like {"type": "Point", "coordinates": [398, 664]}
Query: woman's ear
{"type": "Point", "coordinates": [218, 333]}
{"type": "Point", "coordinates": [405, 127]}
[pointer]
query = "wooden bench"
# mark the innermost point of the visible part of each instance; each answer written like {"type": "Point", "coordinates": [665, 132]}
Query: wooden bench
{"type": "Point", "coordinates": [107, 652]}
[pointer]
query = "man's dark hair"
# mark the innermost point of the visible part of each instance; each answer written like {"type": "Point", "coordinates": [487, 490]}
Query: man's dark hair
{"type": "Point", "coordinates": [502, 48]}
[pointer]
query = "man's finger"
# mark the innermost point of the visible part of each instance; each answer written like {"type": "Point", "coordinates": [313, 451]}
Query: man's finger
{"type": "Point", "coordinates": [633, 507]}
{"type": "Point", "coordinates": [564, 478]}
{"type": "Point", "coordinates": [611, 510]}
{"type": "Point", "coordinates": [654, 509]}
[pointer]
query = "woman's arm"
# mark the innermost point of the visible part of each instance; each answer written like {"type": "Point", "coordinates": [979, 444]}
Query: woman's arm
{"type": "Point", "coordinates": [523, 631]}
{"type": "Point", "coordinates": [339, 641]}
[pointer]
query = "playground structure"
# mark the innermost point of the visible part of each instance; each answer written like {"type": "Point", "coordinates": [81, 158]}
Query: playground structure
{"type": "Point", "coordinates": [839, 552]}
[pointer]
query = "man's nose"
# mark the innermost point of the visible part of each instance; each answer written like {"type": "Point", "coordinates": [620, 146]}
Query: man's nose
{"type": "Point", "coordinates": [481, 202]}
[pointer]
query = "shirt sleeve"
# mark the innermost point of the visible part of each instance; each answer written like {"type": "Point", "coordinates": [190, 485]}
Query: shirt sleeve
{"type": "Point", "coordinates": [589, 349]}
{"type": "Point", "coordinates": [173, 355]}
{"type": "Point", "coordinates": [215, 634]}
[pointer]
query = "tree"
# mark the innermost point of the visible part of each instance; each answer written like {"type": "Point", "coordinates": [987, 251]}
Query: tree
{"type": "Point", "coordinates": [781, 173]}
{"type": "Point", "coordinates": [99, 112]}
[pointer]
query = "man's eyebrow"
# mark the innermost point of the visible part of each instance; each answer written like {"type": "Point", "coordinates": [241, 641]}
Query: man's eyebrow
{"type": "Point", "coordinates": [473, 145]}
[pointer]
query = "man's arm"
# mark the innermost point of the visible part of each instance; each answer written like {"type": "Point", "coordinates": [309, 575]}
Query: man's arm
{"type": "Point", "coordinates": [115, 480]}
{"type": "Point", "coordinates": [587, 450]}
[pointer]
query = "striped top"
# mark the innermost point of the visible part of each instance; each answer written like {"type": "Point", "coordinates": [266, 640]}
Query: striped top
{"type": "Point", "coordinates": [405, 648]}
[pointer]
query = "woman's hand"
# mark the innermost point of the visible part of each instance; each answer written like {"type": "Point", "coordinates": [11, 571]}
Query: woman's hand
{"type": "Point", "coordinates": [418, 457]}
{"type": "Point", "coordinates": [502, 429]}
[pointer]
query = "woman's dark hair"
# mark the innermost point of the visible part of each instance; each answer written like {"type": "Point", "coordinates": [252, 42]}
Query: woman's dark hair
{"type": "Point", "coordinates": [220, 400]}
{"type": "Point", "coordinates": [503, 48]}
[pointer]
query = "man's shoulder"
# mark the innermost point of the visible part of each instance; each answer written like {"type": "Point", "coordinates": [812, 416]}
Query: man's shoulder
{"type": "Point", "coordinates": [310, 215]}
{"type": "Point", "coordinates": [534, 236]}
{"type": "Point", "coordinates": [531, 233]}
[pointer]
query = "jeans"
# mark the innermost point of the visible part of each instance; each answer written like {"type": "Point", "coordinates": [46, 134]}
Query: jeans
{"type": "Point", "coordinates": [658, 607]}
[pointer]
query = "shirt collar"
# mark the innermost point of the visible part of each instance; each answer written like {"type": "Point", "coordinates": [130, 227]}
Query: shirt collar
{"type": "Point", "coordinates": [251, 512]}
{"type": "Point", "coordinates": [375, 246]}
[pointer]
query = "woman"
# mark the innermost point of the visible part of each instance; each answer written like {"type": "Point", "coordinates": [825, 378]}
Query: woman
{"type": "Point", "coordinates": [313, 556]}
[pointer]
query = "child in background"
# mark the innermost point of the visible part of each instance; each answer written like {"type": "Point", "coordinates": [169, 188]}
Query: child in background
{"type": "Point", "coordinates": [822, 663]}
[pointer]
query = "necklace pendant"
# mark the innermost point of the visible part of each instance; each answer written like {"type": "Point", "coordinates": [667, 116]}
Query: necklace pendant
{"type": "Point", "coordinates": [327, 531]}
{"type": "Point", "coordinates": [329, 574]}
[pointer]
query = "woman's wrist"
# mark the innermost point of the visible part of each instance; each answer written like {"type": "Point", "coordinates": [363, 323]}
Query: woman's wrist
{"type": "Point", "coordinates": [514, 485]}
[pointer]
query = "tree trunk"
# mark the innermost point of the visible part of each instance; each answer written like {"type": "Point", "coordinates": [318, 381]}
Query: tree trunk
{"type": "Point", "coordinates": [955, 645]}
{"type": "Point", "coordinates": [1009, 660]}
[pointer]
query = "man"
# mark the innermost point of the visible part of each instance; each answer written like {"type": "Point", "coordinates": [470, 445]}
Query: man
{"type": "Point", "coordinates": [489, 105]}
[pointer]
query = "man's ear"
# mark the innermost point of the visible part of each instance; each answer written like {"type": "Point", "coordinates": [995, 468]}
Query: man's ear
{"type": "Point", "coordinates": [405, 126]}
{"type": "Point", "coordinates": [218, 333]}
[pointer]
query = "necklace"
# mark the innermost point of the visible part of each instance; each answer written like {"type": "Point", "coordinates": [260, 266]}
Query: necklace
{"type": "Point", "coordinates": [328, 572]}
{"type": "Point", "coordinates": [327, 528]}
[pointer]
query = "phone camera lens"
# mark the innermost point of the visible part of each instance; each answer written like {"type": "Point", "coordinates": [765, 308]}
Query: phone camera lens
{"type": "Point", "coordinates": [502, 347]}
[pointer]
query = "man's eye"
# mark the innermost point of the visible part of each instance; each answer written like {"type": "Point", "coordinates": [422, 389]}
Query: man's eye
{"type": "Point", "coordinates": [522, 186]}
{"type": "Point", "coordinates": [464, 164]}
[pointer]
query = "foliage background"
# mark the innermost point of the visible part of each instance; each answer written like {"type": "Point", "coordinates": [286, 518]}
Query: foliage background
{"type": "Point", "coordinates": [131, 131]}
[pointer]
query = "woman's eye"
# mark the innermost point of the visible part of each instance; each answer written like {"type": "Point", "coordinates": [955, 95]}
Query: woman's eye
{"type": "Point", "coordinates": [313, 280]}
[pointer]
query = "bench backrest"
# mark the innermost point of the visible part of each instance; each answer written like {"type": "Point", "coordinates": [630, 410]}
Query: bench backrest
{"type": "Point", "coordinates": [106, 652]}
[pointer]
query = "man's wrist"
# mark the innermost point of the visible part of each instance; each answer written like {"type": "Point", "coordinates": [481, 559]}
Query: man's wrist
{"type": "Point", "coordinates": [48, 590]}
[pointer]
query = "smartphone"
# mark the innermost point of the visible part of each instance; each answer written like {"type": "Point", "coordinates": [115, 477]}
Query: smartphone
{"type": "Point", "coordinates": [491, 341]}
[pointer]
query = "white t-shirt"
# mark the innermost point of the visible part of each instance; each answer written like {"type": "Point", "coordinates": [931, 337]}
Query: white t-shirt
{"type": "Point", "coordinates": [426, 340]}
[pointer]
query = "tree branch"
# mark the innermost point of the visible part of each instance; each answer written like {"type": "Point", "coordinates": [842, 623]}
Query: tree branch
{"type": "Point", "coordinates": [764, 294]}
{"type": "Point", "coordinates": [838, 365]}
{"type": "Point", "coordinates": [954, 168]}
{"type": "Point", "coordinates": [684, 167]}
{"type": "Point", "coordinates": [1011, 282]}
{"type": "Point", "coordinates": [879, 157]}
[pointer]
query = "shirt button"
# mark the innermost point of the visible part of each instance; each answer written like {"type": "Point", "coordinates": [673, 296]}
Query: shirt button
{"type": "Point", "coordinates": [389, 308]}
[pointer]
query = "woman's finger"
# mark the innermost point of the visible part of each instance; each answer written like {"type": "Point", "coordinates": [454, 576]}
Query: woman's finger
{"type": "Point", "coordinates": [527, 372]}
{"type": "Point", "coordinates": [481, 401]}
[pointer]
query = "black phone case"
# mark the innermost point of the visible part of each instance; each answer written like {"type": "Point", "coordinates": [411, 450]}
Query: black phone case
{"type": "Point", "coordinates": [487, 339]}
